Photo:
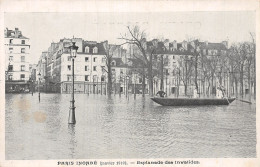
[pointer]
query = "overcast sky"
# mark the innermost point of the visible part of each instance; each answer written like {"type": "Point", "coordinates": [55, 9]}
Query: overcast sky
{"type": "Point", "coordinates": [43, 28]}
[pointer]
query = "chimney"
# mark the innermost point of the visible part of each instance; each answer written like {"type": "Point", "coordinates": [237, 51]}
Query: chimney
{"type": "Point", "coordinates": [16, 34]}
{"type": "Point", "coordinates": [174, 45]}
{"type": "Point", "coordinates": [184, 45]}
{"type": "Point", "coordinates": [225, 43]}
{"type": "Point", "coordinates": [155, 42]}
{"type": "Point", "coordinates": [166, 43]}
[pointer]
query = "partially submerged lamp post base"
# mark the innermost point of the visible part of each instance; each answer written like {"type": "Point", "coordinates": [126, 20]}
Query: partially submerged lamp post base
{"type": "Point", "coordinates": [72, 118]}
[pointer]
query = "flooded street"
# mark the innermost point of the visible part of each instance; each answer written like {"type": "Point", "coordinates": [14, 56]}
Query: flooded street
{"type": "Point", "coordinates": [125, 128]}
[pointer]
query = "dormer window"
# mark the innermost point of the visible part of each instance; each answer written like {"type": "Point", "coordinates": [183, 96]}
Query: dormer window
{"type": "Point", "coordinates": [86, 49]}
{"type": "Point", "coordinates": [95, 50]}
{"type": "Point", "coordinates": [113, 63]}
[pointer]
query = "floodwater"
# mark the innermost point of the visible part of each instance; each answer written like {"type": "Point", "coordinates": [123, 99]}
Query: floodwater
{"type": "Point", "coordinates": [125, 128]}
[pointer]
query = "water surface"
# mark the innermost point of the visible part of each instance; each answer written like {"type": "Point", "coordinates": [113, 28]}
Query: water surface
{"type": "Point", "coordinates": [125, 128]}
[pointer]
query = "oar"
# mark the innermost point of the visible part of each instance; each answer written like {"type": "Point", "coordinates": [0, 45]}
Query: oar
{"type": "Point", "coordinates": [227, 99]}
{"type": "Point", "coordinates": [245, 101]}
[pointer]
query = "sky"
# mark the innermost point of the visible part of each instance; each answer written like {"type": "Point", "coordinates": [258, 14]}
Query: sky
{"type": "Point", "coordinates": [44, 28]}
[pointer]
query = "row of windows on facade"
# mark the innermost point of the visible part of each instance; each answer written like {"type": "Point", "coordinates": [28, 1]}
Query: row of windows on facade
{"type": "Point", "coordinates": [22, 77]}
{"type": "Point", "coordinates": [205, 52]}
{"type": "Point", "coordinates": [95, 49]}
{"type": "Point", "coordinates": [11, 68]}
{"type": "Point", "coordinates": [11, 41]}
{"type": "Point", "coordinates": [11, 58]}
{"type": "Point", "coordinates": [87, 59]}
{"type": "Point", "coordinates": [94, 79]}
{"type": "Point", "coordinates": [12, 49]}
{"type": "Point", "coordinates": [87, 78]}
{"type": "Point", "coordinates": [87, 68]}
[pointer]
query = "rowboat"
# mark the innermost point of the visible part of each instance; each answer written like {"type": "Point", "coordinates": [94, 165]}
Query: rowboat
{"type": "Point", "coordinates": [191, 101]}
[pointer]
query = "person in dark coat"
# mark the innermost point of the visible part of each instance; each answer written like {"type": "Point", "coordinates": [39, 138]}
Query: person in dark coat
{"type": "Point", "coordinates": [161, 93]}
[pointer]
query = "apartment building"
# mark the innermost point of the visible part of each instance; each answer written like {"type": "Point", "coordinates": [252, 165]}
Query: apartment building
{"type": "Point", "coordinates": [17, 51]}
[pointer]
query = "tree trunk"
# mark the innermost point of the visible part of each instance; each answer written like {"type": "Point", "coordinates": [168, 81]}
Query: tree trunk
{"type": "Point", "coordinates": [236, 85]}
{"type": "Point", "coordinates": [143, 83]}
{"type": "Point", "coordinates": [161, 73]}
{"type": "Point", "coordinates": [150, 76]}
{"type": "Point", "coordinates": [109, 80]}
{"type": "Point", "coordinates": [196, 71]}
{"type": "Point", "coordinates": [241, 81]}
{"type": "Point", "coordinates": [185, 89]}
{"type": "Point", "coordinates": [249, 83]}
{"type": "Point", "coordinates": [212, 80]}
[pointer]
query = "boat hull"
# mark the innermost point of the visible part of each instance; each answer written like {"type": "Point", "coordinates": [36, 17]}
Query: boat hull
{"type": "Point", "coordinates": [191, 101]}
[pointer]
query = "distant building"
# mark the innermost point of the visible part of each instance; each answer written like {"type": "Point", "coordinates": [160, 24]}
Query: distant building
{"type": "Point", "coordinates": [90, 67]}
{"type": "Point", "coordinates": [17, 51]}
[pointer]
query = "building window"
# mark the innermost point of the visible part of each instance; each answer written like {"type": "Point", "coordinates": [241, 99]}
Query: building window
{"type": "Point", "coordinates": [68, 77]}
{"type": "Point", "coordinates": [166, 71]}
{"type": "Point", "coordinates": [113, 63]}
{"type": "Point", "coordinates": [204, 51]}
{"type": "Point", "coordinates": [22, 50]}
{"type": "Point", "coordinates": [121, 71]}
{"type": "Point", "coordinates": [22, 67]}
{"type": "Point", "coordinates": [94, 68]}
{"type": "Point", "coordinates": [22, 76]}
{"type": "Point", "coordinates": [102, 78]}
{"type": "Point", "coordinates": [140, 80]}
{"type": "Point", "coordinates": [86, 59]}
{"type": "Point", "coordinates": [94, 78]}
{"type": "Point", "coordinates": [69, 67]}
{"type": "Point", "coordinates": [11, 58]}
{"type": "Point", "coordinates": [10, 68]}
{"type": "Point", "coordinates": [95, 50]}
{"type": "Point", "coordinates": [22, 58]}
{"type": "Point", "coordinates": [69, 58]}
{"type": "Point", "coordinates": [86, 77]}
{"type": "Point", "coordinates": [103, 69]}
{"type": "Point", "coordinates": [94, 59]}
{"type": "Point", "coordinates": [11, 50]}
{"type": "Point", "coordinates": [113, 70]}
{"type": "Point", "coordinates": [86, 49]}
{"type": "Point", "coordinates": [11, 41]}
{"type": "Point", "coordinates": [10, 77]}
{"type": "Point", "coordinates": [23, 41]}
{"type": "Point", "coordinates": [86, 68]}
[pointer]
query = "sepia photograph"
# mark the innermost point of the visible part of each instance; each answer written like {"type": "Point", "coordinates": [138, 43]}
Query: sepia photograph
{"type": "Point", "coordinates": [152, 86]}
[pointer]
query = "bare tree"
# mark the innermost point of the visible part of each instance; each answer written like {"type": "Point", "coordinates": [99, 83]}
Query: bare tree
{"type": "Point", "coordinates": [186, 63]}
{"type": "Point", "coordinates": [109, 49]}
{"type": "Point", "coordinates": [138, 38]}
{"type": "Point", "coordinates": [253, 50]}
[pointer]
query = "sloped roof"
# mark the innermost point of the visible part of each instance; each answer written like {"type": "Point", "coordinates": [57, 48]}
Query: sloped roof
{"type": "Point", "coordinates": [119, 62]}
{"type": "Point", "coordinates": [212, 46]}
{"type": "Point", "coordinates": [92, 45]}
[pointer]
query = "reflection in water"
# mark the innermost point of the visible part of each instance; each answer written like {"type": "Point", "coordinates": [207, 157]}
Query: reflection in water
{"type": "Point", "coordinates": [125, 128]}
{"type": "Point", "coordinates": [72, 141]}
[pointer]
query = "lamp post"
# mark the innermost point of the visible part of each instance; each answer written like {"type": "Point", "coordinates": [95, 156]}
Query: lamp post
{"type": "Point", "coordinates": [73, 54]}
{"type": "Point", "coordinates": [127, 82]}
{"type": "Point", "coordinates": [39, 78]}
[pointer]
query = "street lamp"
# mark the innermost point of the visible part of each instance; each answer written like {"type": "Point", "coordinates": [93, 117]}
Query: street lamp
{"type": "Point", "coordinates": [39, 77]}
{"type": "Point", "coordinates": [73, 54]}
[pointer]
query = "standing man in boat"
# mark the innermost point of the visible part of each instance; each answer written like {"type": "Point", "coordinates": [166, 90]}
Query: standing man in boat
{"type": "Point", "coordinates": [195, 93]}
{"type": "Point", "coordinates": [220, 92]}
